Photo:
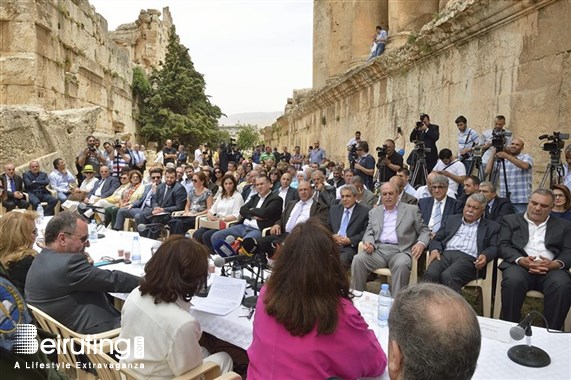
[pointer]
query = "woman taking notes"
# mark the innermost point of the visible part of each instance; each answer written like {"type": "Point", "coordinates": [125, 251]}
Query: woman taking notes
{"type": "Point", "coordinates": [306, 326]}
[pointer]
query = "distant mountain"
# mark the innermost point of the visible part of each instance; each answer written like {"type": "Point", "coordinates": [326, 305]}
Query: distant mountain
{"type": "Point", "coordinates": [261, 119]}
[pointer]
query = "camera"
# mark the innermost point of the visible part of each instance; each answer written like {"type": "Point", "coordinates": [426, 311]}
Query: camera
{"type": "Point", "coordinates": [353, 157]}
{"type": "Point", "coordinates": [381, 151]}
{"type": "Point", "coordinates": [420, 147]}
{"type": "Point", "coordinates": [499, 139]}
{"type": "Point", "coordinates": [554, 142]}
{"type": "Point", "coordinates": [419, 124]}
{"type": "Point", "coordinates": [117, 144]}
{"type": "Point", "coordinates": [91, 148]}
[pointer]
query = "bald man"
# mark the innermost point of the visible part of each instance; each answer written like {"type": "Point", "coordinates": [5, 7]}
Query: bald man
{"type": "Point", "coordinates": [36, 183]}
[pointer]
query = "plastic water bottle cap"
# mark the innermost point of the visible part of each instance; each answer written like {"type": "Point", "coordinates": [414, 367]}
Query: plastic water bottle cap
{"type": "Point", "coordinates": [385, 286]}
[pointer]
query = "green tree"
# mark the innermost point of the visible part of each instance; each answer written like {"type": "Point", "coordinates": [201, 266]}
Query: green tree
{"type": "Point", "coordinates": [172, 102]}
{"type": "Point", "coordinates": [248, 137]}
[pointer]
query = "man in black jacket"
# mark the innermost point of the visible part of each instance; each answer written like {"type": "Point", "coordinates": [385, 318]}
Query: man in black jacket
{"type": "Point", "coordinates": [497, 207]}
{"type": "Point", "coordinates": [36, 183]}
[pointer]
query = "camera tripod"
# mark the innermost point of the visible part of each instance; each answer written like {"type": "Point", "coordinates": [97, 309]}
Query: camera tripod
{"type": "Point", "coordinates": [554, 170]}
{"type": "Point", "coordinates": [381, 168]}
{"type": "Point", "coordinates": [500, 168]}
{"type": "Point", "coordinates": [476, 164]}
{"type": "Point", "coordinates": [420, 171]}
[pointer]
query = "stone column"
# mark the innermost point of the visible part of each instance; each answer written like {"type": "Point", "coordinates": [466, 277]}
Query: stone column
{"type": "Point", "coordinates": [406, 16]}
{"type": "Point", "coordinates": [321, 37]}
{"type": "Point", "coordinates": [366, 16]}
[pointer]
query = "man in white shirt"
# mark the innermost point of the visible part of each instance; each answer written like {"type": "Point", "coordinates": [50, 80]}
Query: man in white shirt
{"type": "Point", "coordinates": [61, 180]}
{"type": "Point", "coordinates": [488, 135]}
{"type": "Point", "coordinates": [404, 173]}
{"type": "Point", "coordinates": [537, 255]}
{"type": "Point", "coordinates": [451, 168]}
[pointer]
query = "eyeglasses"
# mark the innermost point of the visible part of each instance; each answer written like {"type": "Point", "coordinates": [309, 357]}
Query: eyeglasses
{"type": "Point", "coordinates": [559, 195]}
{"type": "Point", "coordinates": [35, 231]}
{"type": "Point", "coordinates": [156, 177]}
{"type": "Point", "coordinates": [217, 172]}
{"type": "Point", "coordinates": [124, 177]}
{"type": "Point", "coordinates": [82, 239]}
{"type": "Point", "coordinates": [194, 180]}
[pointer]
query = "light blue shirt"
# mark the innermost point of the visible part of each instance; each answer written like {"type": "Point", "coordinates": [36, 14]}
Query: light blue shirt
{"type": "Point", "coordinates": [60, 181]}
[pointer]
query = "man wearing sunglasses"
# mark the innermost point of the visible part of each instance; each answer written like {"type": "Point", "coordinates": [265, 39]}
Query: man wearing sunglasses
{"type": "Point", "coordinates": [64, 284]}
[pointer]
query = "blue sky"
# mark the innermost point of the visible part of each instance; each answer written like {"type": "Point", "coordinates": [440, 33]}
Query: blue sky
{"type": "Point", "coordinates": [252, 53]}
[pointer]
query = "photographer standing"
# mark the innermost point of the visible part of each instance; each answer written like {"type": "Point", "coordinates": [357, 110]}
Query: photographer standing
{"type": "Point", "coordinates": [517, 173]}
{"type": "Point", "coordinates": [91, 155]}
{"type": "Point", "coordinates": [499, 123]}
{"type": "Point", "coordinates": [352, 144]}
{"type": "Point", "coordinates": [119, 158]}
{"type": "Point", "coordinates": [391, 160]}
{"type": "Point", "coordinates": [365, 165]}
{"type": "Point", "coordinates": [429, 134]}
{"type": "Point", "coordinates": [467, 140]}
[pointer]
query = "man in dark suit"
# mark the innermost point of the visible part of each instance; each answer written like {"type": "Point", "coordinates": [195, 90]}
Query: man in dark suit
{"type": "Point", "coordinates": [170, 197]}
{"type": "Point", "coordinates": [429, 134]}
{"type": "Point", "coordinates": [471, 186]}
{"type": "Point", "coordinates": [337, 181]}
{"type": "Point", "coordinates": [141, 204]}
{"type": "Point", "coordinates": [434, 209]}
{"type": "Point", "coordinates": [285, 191]}
{"type": "Point", "coordinates": [497, 207]}
{"type": "Point", "coordinates": [323, 191]}
{"type": "Point", "coordinates": [536, 250]}
{"type": "Point", "coordinates": [395, 234]}
{"type": "Point", "coordinates": [104, 187]}
{"type": "Point", "coordinates": [348, 222]}
{"type": "Point", "coordinates": [463, 246]}
{"type": "Point", "coordinates": [64, 283]}
{"type": "Point", "coordinates": [36, 183]}
{"type": "Point", "coordinates": [250, 189]}
{"type": "Point", "coordinates": [294, 213]}
{"type": "Point", "coordinates": [13, 185]}
{"type": "Point", "coordinates": [261, 211]}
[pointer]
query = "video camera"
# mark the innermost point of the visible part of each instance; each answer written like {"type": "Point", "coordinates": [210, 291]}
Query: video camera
{"type": "Point", "coordinates": [353, 157]}
{"type": "Point", "coordinates": [381, 151]}
{"type": "Point", "coordinates": [499, 139]}
{"type": "Point", "coordinates": [117, 144]}
{"type": "Point", "coordinates": [554, 143]}
{"type": "Point", "coordinates": [420, 147]}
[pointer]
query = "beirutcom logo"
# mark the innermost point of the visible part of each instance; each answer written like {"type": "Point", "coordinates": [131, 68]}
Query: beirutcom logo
{"type": "Point", "coordinates": [26, 342]}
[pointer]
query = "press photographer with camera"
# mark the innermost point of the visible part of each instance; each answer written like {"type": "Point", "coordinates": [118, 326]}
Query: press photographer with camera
{"type": "Point", "coordinates": [488, 135]}
{"type": "Point", "coordinates": [365, 164]}
{"type": "Point", "coordinates": [429, 134]}
{"type": "Point", "coordinates": [119, 158]}
{"type": "Point", "coordinates": [515, 171]}
{"type": "Point", "coordinates": [468, 139]}
{"type": "Point", "coordinates": [389, 162]}
{"type": "Point", "coordinates": [352, 145]}
{"type": "Point", "coordinates": [451, 168]}
{"type": "Point", "coordinates": [90, 155]}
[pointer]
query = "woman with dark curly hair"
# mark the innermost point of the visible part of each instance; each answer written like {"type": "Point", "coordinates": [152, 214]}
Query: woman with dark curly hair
{"type": "Point", "coordinates": [305, 325]}
{"type": "Point", "coordinates": [158, 311]}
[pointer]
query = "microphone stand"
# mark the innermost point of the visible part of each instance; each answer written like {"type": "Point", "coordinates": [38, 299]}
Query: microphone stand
{"type": "Point", "coordinates": [256, 269]}
{"type": "Point", "coordinates": [528, 355]}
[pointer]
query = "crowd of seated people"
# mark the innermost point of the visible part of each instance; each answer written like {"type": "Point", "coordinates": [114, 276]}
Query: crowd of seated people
{"type": "Point", "coordinates": [459, 220]}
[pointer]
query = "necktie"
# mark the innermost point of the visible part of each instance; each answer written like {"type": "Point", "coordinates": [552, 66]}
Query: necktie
{"type": "Point", "coordinates": [294, 217]}
{"type": "Point", "coordinates": [437, 217]}
{"type": "Point", "coordinates": [12, 185]}
{"type": "Point", "coordinates": [344, 224]}
{"type": "Point", "coordinates": [165, 196]}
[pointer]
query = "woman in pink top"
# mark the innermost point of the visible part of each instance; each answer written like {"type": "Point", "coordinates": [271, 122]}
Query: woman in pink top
{"type": "Point", "coordinates": [306, 326]}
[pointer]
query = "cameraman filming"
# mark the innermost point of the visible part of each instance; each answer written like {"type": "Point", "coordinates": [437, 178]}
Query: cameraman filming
{"type": "Point", "coordinates": [91, 155]}
{"type": "Point", "coordinates": [365, 164]}
{"type": "Point", "coordinates": [352, 144]}
{"type": "Point", "coordinates": [488, 135]}
{"type": "Point", "coordinates": [392, 161]}
{"type": "Point", "coordinates": [517, 173]}
{"type": "Point", "coordinates": [429, 134]}
{"type": "Point", "coordinates": [119, 158]}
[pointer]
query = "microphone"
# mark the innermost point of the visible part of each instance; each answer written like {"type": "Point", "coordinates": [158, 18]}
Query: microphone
{"type": "Point", "coordinates": [219, 262]}
{"type": "Point", "coordinates": [249, 247]}
{"type": "Point", "coordinates": [145, 227]}
{"type": "Point", "coordinates": [518, 332]}
{"type": "Point", "coordinates": [543, 137]}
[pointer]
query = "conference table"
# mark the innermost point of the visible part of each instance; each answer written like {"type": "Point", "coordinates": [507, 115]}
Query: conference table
{"type": "Point", "coordinates": [493, 362]}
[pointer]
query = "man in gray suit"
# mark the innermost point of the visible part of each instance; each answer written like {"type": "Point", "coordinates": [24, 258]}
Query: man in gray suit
{"type": "Point", "coordinates": [63, 282]}
{"type": "Point", "coordinates": [395, 233]}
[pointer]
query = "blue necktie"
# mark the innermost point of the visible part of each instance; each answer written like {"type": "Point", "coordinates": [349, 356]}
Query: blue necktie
{"type": "Point", "coordinates": [344, 224]}
{"type": "Point", "coordinates": [437, 217]}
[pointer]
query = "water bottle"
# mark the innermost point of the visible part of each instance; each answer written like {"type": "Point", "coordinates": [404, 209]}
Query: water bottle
{"type": "Point", "coordinates": [237, 270]}
{"type": "Point", "coordinates": [136, 251]}
{"type": "Point", "coordinates": [92, 232]}
{"type": "Point", "coordinates": [40, 212]}
{"type": "Point", "coordinates": [384, 306]}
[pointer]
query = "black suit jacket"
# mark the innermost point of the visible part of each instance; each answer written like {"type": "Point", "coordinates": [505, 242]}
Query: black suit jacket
{"type": "Point", "coordinates": [111, 184]}
{"type": "Point", "coordinates": [514, 235]}
{"type": "Point", "coordinates": [70, 290]}
{"type": "Point", "coordinates": [500, 208]}
{"type": "Point", "coordinates": [317, 210]}
{"type": "Point", "coordinates": [176, 198]}
{"type": "Point", "coordinates": [246, 191]}
{"type": "Point", "coordinates": [17, 180]}
{"type": "Point", "coordinates": [430, 137]}
{"type": "Point", "coordinates": [452, 207]}
{"type": "Point", "coordinates": [357, 224]}
{"type": "Point", "coordinates": [269, 213]}
{"type": "Point", "coordinates": [337, 185]}
{"type": "Point", "coordinates": [486, 240]}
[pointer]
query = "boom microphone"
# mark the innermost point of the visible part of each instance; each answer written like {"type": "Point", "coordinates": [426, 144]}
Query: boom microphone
{"type": "Point", "coordinates": [145, 227]}
{"type": "Point", "coordinates": [219, 262]}
{"type": "Point", "coordinates": [543, 137]}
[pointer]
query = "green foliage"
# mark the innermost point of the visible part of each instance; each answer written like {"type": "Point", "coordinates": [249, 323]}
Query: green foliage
{"type": "Point", "coordinates": [248, 137]}
{"type": "Point", "coordinates": [172, 101]}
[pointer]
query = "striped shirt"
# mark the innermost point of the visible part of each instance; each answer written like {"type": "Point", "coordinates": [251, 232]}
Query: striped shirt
{"type": "Point", "coordinates": [465, 239]}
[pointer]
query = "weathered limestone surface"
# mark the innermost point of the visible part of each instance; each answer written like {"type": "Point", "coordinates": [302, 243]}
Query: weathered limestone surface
{"type": "Point", "coordinates": [33, 133]}
{"type": "Point", "coordinates": [480, 58]}
{"type": "Point", "coordinates": [59, 55]}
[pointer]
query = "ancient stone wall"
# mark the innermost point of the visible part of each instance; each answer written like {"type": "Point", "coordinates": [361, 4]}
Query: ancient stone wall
{"type": "Point", "coordinates": [59, 55]}
{"type": "Point", "coordinates": [477, 59]}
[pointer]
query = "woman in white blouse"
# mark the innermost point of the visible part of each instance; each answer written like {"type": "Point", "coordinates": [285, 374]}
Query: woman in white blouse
{"type": "Point", "coordinates": [226, 209]}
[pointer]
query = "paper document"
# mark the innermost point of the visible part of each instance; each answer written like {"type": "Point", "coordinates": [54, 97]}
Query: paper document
{"type": "Point", "coordinates": [225, 295]}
